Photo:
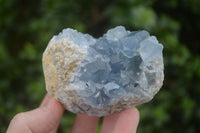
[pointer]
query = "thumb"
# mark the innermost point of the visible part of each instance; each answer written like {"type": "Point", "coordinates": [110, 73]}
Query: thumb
{"type": "Point", "coordinates": [44, 119]}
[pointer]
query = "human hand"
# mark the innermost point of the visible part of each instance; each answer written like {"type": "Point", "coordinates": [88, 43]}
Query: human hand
{"type": "Point", "coordinates": [46, 119]}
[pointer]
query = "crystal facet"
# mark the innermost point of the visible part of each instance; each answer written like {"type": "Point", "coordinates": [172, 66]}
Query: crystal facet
{"type": "Point", "coordinates": [101, 76]}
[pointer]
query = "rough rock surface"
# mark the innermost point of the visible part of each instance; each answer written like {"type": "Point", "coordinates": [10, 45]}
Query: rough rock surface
{"type": "Point", "coordinates": [101, 76]}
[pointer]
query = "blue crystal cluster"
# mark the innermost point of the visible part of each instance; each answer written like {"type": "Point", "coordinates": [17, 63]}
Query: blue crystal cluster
{"type": "Point", "coordinates": [119, 70]}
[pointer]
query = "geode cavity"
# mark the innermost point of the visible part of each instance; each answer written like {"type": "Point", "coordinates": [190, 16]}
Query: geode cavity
{"type": "Point", "coordinates": [101, 76]}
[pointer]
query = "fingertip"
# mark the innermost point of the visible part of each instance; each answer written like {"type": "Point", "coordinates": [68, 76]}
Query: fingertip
{"type": "Point", "coordinates": [55, 106]}
{"type": "Point", "coordinates": [125, 121]}
{"type": "Point", "coordinates": [134, 112]}
{"type": "Point", "coordinates": [45, 100]}
{"type": "Point", "coordinates": [52, 106]}
{"type": "Point", "coordinates": [84, 124]}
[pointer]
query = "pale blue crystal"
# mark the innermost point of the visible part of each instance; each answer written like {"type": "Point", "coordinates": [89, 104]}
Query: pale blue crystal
{"type": "Point", "coordinates": [121, 69]}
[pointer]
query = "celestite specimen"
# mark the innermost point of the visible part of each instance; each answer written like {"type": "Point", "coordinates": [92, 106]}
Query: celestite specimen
{"type": "Point", "coordinates": [101, 76]}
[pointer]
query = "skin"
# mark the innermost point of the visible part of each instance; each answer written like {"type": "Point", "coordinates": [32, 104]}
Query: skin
{"type": "Point", "coordinates": [46, 119]}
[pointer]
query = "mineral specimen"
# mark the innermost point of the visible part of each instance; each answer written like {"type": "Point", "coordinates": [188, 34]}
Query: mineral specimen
{"type": "Point", "coordinates": [101, 76]}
